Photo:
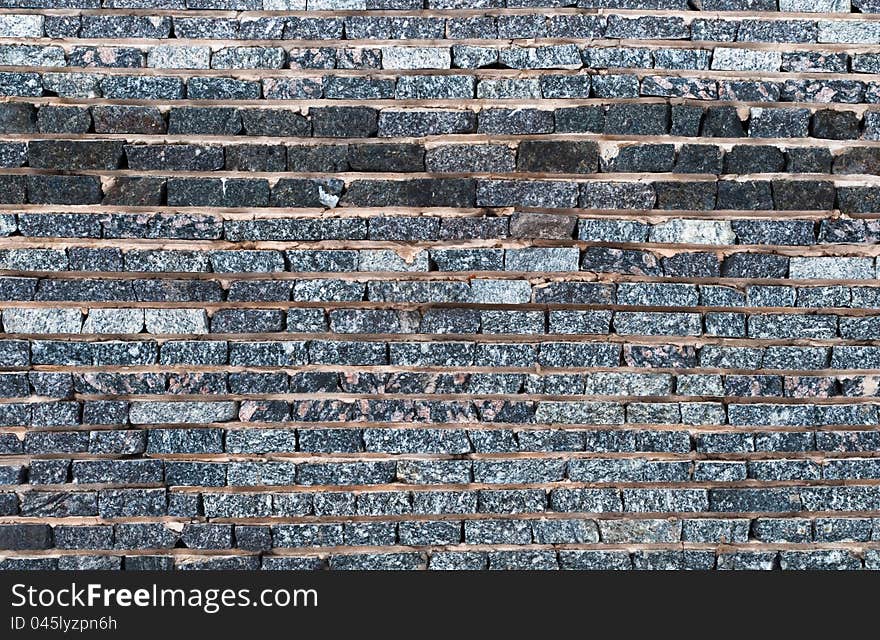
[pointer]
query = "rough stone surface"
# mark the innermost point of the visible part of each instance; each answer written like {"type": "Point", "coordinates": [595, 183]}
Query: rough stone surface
{"type": "Point", "coordinates": [392, 284]}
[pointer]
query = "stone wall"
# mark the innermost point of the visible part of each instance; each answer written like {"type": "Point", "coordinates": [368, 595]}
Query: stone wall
{"type": "Point", "coordinates": [412, 284]}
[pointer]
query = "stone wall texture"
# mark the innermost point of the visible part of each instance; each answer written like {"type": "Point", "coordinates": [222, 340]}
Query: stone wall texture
{"type": "Point", "coordinates": [436, 284]}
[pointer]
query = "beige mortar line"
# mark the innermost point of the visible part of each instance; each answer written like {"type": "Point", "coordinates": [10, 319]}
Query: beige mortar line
{"type": "Point", "coordinates": [349, 176]}
{"type": "Point", "coordinates": [496, 43]}
{"type": "Point", "coordinates": [314, 212]}
{"type": "Point", "coordinates": [550, 515]}
{"type": "Point", "coordinates": [819, 457]}
{"type": "Point", "coordinates": [652, 216]}
{"type": "Point", "coordinates": [733, 214]}
{"type": "Point", "coordinates": [302, 105]}
{"type": "Point", "coordinates": [412, 369]}
{"type": "Point", "coordinates": [475, 339]}
{"type": "Point", "coordinates": [352, 397]}
{"type": "Point", "coordinates": [483, 73]}
{"type": "Point", "coordinates": [436, 276]}
{"type": "Point", "coordinates": [440, 141]}
{"type": "Point", "coordinates": [232, 425]}
{"type": "Point", "coordinates": [859, 549]}
{"type": "Point", "coordinates": [508, 242]}
{"type": "Point", "coordinates": [184, 556]}
{"type": "Point", "coordinates": [409, 517]}
{"type": "Point", "coordinates": [20, 432]}
{"type": "Point", "coordinates": [646, 215]}
{"type": "Point", "coordinates": [471, 339]}
{"type": "Point", "coordinates": [405, 517]}
{"type": "Point", "coordinates": [562, 484]}
{"type": "Point", "coordinates": [688, 15]}
{"type": "Point", "coordinates": [212, 307]}
{"type": "Point", "coordinates": [473, 486]}
{"type": "Point", "coordinates": [482, 397]}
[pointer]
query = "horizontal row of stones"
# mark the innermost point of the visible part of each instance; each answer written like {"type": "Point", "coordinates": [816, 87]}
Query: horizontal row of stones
{"type": "Point", "coordinates": [506, 26]}
{"type": "Point", "coordinates": [793, 6]}
{"type": "Point", "coordinates": [594, 259]}
{"type": "Point", "coordinates": [422, 229]}
{"type": "Point", "coordinates": [462, 56]}
{"type": "Point", "coordinates": [591, 352]}
{"type": "Point", "coordinates": [703, 193]}
{"type": "Point", "coordinates": [320, 440]}
{"type": "Point", "coordinates": [447, 321]}
{"type": "Point", "coordinates": [506, 560]}
{"type": "Point", "coordinates": [427, 292]}
{"type": "Point", "coordinates": [527, 156]}
{"type": "Point", "coordinates": [417, 533]}
{"type": "Point", "coordinates": [134, 503]}
{"type": "Point", "coordinates": [550, 85]}
{"type": "Point", "coordinates": [619, 119]}
{"type": "Point", "coordinates": [477, 291]}
{"type": "Point", "coordinates": [590, 470]}
{"type": "Point", "coordinates": [605, 383]}
{"type": "Point", "coordinates": [586, 412]}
